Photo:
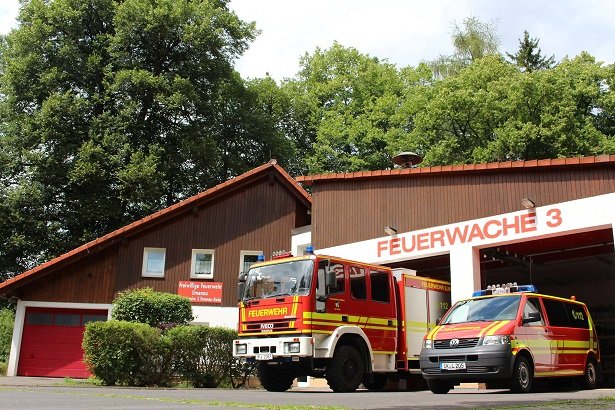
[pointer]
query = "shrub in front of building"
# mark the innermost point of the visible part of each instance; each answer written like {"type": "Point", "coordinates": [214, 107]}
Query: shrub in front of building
{"type": "Point", "coordinates": [136, 354]}
{"type": "Point", "coordinates": [125, 353]}
{"type": "Point", "coordinates": [156, 309]}
{"type": "Point", "coordinates": [7, 320]}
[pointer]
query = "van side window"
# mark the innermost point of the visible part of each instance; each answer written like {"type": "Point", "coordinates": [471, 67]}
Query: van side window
{"type": "Point", "coordinates": [379, 282]}
{"type": "Point", "coordinates": [533, 305]}
{"type": "Point", "coordinates": [556, 312]}
{"type": "Point", "coordinates": [358, 289]}
{"type": "Point", "coordinates": [577, 316]}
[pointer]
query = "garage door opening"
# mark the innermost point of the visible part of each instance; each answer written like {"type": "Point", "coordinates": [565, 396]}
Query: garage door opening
{"type": "Point", "coordinates": [51, 342]}
{"type": "Point", "coordinates": [580, 265]}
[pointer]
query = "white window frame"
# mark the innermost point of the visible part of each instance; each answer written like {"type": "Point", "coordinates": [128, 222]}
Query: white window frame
{"type": "Point", "coordinates": [144, 271]}
{"type": "Point", "coordinates": [246, 253]}
{"type": "Point", "coordinates": [194, 275]}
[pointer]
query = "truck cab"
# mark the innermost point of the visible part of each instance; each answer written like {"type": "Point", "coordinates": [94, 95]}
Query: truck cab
{"type": "Point", "coordinates": [316, 315]}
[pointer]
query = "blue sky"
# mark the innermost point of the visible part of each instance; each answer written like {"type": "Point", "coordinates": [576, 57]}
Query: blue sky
{"type": "Point", "coordinates": [405, 32]}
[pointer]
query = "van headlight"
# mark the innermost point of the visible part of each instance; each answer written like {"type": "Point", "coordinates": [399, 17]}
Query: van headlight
{"type": "Point", "coordinates": [428, 344]}
{"type": "Point", "coordinates": [241, 348]}
{"type": "Point", "coordinates": [496, 340]}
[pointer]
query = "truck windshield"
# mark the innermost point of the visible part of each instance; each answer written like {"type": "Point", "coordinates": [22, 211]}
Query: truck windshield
{"type": "Point", "coordinates": [483, 310]}
{"type": "Point", "coordinates": [281, 279]}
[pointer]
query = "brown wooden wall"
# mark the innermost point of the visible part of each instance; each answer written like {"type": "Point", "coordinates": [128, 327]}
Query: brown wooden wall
{"type": "Point", "coordinates": [256, 217]}
{"type": "Point", "coordinates": [89, 280]}
{"type": "Point", "coordinates": [352, 210]}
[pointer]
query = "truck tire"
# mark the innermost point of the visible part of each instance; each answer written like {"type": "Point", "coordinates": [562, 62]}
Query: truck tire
{"type": "Point", "coordinates": [345, 372]}
{"type": "Point", "coordinates": [274, 378]}
{"type": "Point", "coordinates": [439, 386]}
{"type": "Point", "coordinates": [522, 376]}
{"type": "Point", "coordinates": [590, 376]}
{"type": "Point", "coordinates": [379, 380]}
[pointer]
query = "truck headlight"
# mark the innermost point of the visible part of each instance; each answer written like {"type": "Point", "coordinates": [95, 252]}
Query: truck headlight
{"type": "Point", "coordinates": [292, 347]}
{"type": "Point", "coordinates": [241, 348]}
{"type": "Point", "coordinates": [496, 340]}
{"type": "Point", "coordinates": [428, 344]}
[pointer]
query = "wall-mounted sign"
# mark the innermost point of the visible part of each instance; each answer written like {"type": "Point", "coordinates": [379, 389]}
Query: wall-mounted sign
{"type": "Point", "coordinates": [201, 292]}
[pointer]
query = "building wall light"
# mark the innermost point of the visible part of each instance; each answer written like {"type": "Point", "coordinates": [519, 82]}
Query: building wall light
{"type": "Point", "coordinates": [389, 230]}
{"type": "Point", "coordinates": [528, 203]}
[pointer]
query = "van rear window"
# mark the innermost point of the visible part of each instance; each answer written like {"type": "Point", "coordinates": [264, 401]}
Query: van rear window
{"type": "Point", "coordinates": [564, 314]}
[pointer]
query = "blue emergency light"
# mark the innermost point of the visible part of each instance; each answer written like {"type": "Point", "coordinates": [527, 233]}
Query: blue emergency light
{"type": "Point", "coordinates": [504, 288]}
{"type": "Point", "coordinates": [309, 250]}
{"type": "Point", "coordinates": [260, 258]}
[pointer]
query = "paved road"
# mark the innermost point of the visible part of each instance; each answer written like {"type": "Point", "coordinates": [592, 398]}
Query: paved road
{"type": "Point", "coordinates": [59, 397]}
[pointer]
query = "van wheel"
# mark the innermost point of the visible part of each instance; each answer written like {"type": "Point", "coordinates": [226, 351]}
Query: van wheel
{"type": "Point", "coordinates": [439, 386]}
{"type": "Point", "coordinates": [522, 377]}
{"type": "Point", "coordinates": [590, 376]}
{"type": "Point", "coordinates": [274, 378]}
{"type": "Point", "coordinates": [345, 372]}
{"type": "Point", "coordinates": [378, 382]}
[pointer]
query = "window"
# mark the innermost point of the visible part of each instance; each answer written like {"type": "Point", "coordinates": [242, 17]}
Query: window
{"type": "Point", "coordinates": [68, 319]}
{"type": "Point", "coordinates": [202, 265]}
{"type": "Point", "coordinates": [42, 319]}
{"type": "Point", "coordinates": [247, 259]}
{"type": "Point", "coordinates": [556, 312]}
{"type": "Point", "coordinates": [533, 305]}
{"type": "Point", "coordinates": [379, 282]}
{"type": "Point", "coordinates": [576, 315]}
{"type": "Point", "coordinates": [153, 262]}
{"type": "Point", "coordinates": [338, 268]}
{"type": "Point", "coordinates": [357, 283]}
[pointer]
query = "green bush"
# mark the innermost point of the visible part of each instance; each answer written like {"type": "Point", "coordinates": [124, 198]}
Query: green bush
{"type": "Point", "coordinates": [125, 353]}
{"type": "Point", "coordinates": [3, 367]}
{"type": "Point", "coordinates": [153, 308]}
{"type": "Point", "coordinates": [7, 321]}
{"type": "Point", "coordinates": [203, 355]}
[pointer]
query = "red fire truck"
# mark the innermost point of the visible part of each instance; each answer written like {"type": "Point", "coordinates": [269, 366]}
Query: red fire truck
{"type": "Point", "coordinates": [353, 323]}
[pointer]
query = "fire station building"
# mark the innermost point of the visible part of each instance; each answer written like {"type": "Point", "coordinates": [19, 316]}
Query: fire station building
{"type": "Point", "coordinates": [545, 222]}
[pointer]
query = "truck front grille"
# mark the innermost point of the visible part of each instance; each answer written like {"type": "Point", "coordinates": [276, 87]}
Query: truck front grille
{"type": "Point", "coordinates": [463, 343]}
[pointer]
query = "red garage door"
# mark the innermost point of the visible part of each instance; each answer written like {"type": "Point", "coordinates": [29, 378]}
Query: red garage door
{"type": "Point", "coordinates": [51, 342]}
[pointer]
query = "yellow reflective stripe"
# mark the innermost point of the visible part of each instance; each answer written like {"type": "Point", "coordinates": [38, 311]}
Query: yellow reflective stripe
{"type": "Point", "coordinates": [275, 333]}
{"type": "Point", "coordinates": [416, 325]}
{"type": "Point", "coordinates": [494, 329]}
{"type": "Point", "coordinates": [431, 334]}
{"type": "Point", "coordinates": [577, 344]}
{"type": "Point", "coordinates": [294, 310]}
{"type": "Point", "coordinates": [487, 328]}
{"type": "Point", "coordinates": [384, 352]}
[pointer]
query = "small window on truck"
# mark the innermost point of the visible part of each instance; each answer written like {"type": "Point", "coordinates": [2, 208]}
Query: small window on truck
{"type": "Point", "coordinates": [358, 288]}
{"type": "Point", "coordinates": [556, 313]}
{"type": "Point", "coordinates": [533, 305]}
{"type": "Point", "coordinates": [379, 282]}
{"type": "Point", "coordinates": [577, 315]}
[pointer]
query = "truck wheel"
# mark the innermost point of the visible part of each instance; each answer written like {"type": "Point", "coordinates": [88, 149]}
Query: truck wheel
{"type": "Point", "coordinates": [439, 386]}
{"type": "Point", "coordinates": [522, 377]}
{"type": "Point", "coordinates": [274, 378]}
{"type": "Point", "coordinates": [590, 376]}
{"type": "Point", "coordinates": [345, 372]}
{"type": "Point", "coordinates": [379, 380]}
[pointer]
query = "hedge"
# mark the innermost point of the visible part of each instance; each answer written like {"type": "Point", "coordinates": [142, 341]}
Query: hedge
{"type": "Point", "coordinates": [7, 320]}
{"type": "Point", "coordinates": [153, 308]}
{"type": "Point", "coordinates": [136, 354]}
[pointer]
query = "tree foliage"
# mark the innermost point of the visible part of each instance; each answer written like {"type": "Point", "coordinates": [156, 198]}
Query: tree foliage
{"type": "Point", "coordinates": [529, 56]}
{"type": "Point", "coordinates": [112, 110]}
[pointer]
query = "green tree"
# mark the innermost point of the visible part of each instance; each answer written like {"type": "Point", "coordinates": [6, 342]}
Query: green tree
{"type": "Point", "coordinates": [348, 102]}
{"type": "Point", "coordinates": [491, 111]}
{"type": "Point", "coordinates": [473, 40]}
{"type": "Point", "coordinates": [111, 110]}
{"type": "Point", "coordinates": [529, 56]}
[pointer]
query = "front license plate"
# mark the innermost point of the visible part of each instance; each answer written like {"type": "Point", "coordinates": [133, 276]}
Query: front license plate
{"type": "Point", "coordinates": [265, 356]}
{"type": "Point", "coordinates": [452, 366]}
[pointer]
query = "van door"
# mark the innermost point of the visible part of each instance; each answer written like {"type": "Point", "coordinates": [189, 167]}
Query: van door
{"type": "Point", "coordinates": [537, 337]}
{"type": "Point", "coordinates": [559, 326]}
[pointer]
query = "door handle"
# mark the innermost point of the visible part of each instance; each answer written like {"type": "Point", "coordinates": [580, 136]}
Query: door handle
{"type": "Point", "coordinates": [344, 318]}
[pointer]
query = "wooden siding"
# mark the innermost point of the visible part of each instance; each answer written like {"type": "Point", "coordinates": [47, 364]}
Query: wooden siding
{"type": "Point", "coordinates": [89, 280]}
{"type": "Point", "coordinates": [259, 217]}
{"type": "Point", "coordinates": [352, 210]}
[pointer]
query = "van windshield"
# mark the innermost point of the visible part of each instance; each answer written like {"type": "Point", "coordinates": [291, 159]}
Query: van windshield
{"type": "Point", "coordinates": [484, 310]}
{"type": "Point", "coordinates": [280, 279]}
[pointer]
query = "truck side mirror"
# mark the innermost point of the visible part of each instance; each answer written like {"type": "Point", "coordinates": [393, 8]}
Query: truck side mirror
{"type": "Point", "coordinates": [532, 317]}
{"type": "Point", "coordinates": [241, 285]}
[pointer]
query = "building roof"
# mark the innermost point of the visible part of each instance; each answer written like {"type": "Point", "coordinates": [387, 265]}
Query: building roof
{"type": "Point", "coordinates": [147, 222]}
{"type": "Point", "coordinates": [464, 168]}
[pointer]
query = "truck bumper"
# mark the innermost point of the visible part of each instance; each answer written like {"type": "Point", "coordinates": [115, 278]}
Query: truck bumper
{"type": "Point", "coordinates": [268, 349]}
{"type": "Point", "coordinates": [482, 363]}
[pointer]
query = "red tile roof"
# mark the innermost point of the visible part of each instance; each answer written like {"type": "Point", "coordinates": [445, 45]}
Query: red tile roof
{"type": "Point", "coordinates": [160, 216]}
{"type": "Point", "coordinates": [439, 169]}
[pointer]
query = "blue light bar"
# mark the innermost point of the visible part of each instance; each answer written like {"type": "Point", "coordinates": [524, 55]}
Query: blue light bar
{"type": "Point", "coordinates": [260, 258]}
{"type": "Point", "coordinates": [309, 250]}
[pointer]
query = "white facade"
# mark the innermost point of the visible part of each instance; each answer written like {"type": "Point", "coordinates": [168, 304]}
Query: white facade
{"type": "Point", "coordinates": [463, 240]}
